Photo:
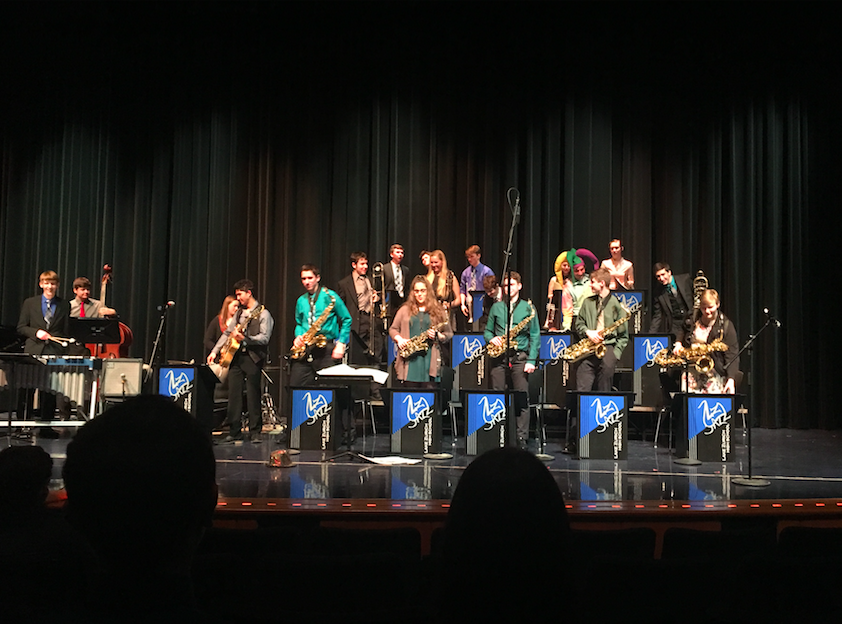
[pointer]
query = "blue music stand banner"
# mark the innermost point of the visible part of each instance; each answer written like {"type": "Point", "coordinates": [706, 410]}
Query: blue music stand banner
{"type": "Point", "coordinates": [415, 428]}
{"type": "Point", "coordinates": [646, 348]}
{"type": "Point", "coordinates": [602, 430]}
{"type": "Point", "coordinates": [709, 426]}
{"type": "Point", "coordinates": [390, 350]}
{"type": "Point", "coordinates": [312, 418]}
{"type": "Point", "coordinates": [629, 298]}
{"type": "Point", "coordinates": [485, 415]}
{"type": "Point", "coordinates": [175, 381]}
{"type": "Point", "coordinates": [553, 346]}
{"type": "Point", "coordinates": [465, 347]}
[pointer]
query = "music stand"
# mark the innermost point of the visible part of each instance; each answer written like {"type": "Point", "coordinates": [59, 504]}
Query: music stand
{"type": "Point", "coordinates": [95, 330]}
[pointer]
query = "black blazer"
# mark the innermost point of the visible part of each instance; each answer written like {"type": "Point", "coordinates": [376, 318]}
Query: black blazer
{"type": "Point", "coordinates": [32, 319]}
{"type": "Point", "coordinates": [395, 300]}
{"type": "Point", "coordinates": [662, 310]}
{"type": "Point", "coordinates": [346, 291]}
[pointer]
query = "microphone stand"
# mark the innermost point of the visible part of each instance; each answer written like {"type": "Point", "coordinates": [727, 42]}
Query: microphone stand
{"type": "Point", "coordinates": [164, 309]}
{"type": "Point", "coordinates": [507, 278]}
{"type": "Point", "coordinates": [750, 480]}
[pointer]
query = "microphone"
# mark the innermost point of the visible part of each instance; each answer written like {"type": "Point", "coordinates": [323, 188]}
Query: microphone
{"type": "Point", "coordinates": [166, 306]}
{"type": "Point", "coordinates": [170, 304]}
{"type": "Point", "coordinates": [516, 209]}
{"type": "Point", "coordinates": [771, 318]}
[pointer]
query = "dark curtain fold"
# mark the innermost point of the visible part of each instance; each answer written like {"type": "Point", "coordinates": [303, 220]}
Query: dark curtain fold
{"type": "Point", "coordinates": [191, 178]}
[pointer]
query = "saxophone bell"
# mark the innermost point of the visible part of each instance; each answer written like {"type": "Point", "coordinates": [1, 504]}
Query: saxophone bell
{"type": "Point", "coordinates": [704, 364]}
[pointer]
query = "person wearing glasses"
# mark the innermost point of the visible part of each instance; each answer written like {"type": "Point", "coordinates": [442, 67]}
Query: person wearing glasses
{"type": "Point", "coordinates": [421, 314]}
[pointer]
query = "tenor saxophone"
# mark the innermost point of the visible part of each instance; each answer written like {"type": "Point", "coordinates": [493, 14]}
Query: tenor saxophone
{"type": "Point", "coordinates": [586, 347]}
{"type": "Point", "coordinates": [510, 342]}
{"type": "Point", "coordinates": [312, 337]}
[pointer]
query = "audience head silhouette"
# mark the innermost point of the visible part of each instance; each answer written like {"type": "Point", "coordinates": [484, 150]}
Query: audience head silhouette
{"type": "Point", "coordinates": [141, 487]}
{"type": "Point", "coordinates": [24, 480]}
{"type": "Point", "coordinates": [507, 528]}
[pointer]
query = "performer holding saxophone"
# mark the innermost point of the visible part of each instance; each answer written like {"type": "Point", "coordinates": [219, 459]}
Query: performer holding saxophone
{"type": "Point", "coordinates": [420, 326]}
{"type": "Point", "coordinates": [524, 341]}
{"type": "Point", "coordinates": [599, 311]}
{"type": "Point", "coordinates": [710, 333]}
{"type": "Point", "coordinates": [322, 329]}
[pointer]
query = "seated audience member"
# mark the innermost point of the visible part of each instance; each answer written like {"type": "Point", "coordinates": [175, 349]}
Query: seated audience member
{"type": "Point", "coordinates": [507, 533]}
{"type": "Point", "coordinates": [43, 559]}
{"type": "Point", "coordinates": [141, 487]}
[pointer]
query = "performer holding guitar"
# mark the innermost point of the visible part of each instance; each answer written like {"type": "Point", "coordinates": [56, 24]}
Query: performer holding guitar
{"type": "Point", "coordinates": [243, 349]}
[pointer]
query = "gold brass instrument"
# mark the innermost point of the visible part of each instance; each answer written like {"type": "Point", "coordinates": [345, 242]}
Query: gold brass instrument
{"type": "Point", "coordinates": [510, 341]}
{"type": "Point", "coordinates": [418, 343]}
{"type": "Point", "coordinates": [700, 285]}
{"type": "Point", "coordinates": [312, 337]}
{"type": "Point", "coordinates": [587, 347]}
{"type": "Point", "coordinates": [697, 354]}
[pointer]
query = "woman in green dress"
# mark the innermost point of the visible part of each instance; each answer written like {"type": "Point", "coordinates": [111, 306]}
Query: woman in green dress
{"type": "Point", "coordinates": [420, 315]}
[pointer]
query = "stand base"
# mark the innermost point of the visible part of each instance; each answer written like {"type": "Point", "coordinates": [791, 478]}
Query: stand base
{"type": "Point", "coordinates": [438, 456]}
{"type": "Point", "coordinates": [751, 481]}
{"type": "Point", "coordinates": [686, 461]}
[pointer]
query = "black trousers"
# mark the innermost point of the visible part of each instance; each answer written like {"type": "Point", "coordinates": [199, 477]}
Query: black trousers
{"type": "Point", "coordinates": [597, 374]}
{"type": "Point", "coordinates": [500, 376]}
{"type": "Point", "coordinates": [244, 372]}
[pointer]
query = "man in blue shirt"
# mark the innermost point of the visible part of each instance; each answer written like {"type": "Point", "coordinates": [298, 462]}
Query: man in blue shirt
{"type": "Point", "coordinates": [44, 320]}
{"type": "Point", "coordinates": [472, 278]}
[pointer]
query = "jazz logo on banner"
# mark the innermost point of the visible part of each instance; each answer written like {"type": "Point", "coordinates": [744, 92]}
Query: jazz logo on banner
{"type": "Point", "coordinates": [707, 415]}
{"type": "Point", "coordinates": [553, 347]}
{"type": "Point", "coordinates": [411, 409]}
{"type": "Point", "coordinates": [309, 406]}
{"type": "Point", "coordinates": [645, 350]}
{"type": "Point", "coordinates": [469, 349]}
{"type": "Point", "coordinates": [629, 299]}
{"type": "Point", "coordinates": [485, 411]}
{"type": "Point", "coordinates": [600, 412]}
{"type": "Point", "coordinates": [176, 382]}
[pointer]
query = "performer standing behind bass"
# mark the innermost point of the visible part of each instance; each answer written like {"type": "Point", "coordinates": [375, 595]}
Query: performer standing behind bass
{"type": "Point", "coordinates": [525, 356]}
{"type": "Point", "coordinates": [420, 315]}
{"type": "Point", "coordinates": [247, 364]}
{"type": "Point", "coordinates": [673, 304]}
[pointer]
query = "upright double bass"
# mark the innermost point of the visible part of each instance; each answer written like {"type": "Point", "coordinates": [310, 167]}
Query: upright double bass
{"type": "Point", "coordinates": [120, 350]}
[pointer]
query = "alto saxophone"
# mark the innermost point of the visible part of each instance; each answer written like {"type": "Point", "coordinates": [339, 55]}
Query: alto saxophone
{"type": "Point", "coordinates": [418, 343]}
{"type": "Point", "coordinates": [510, 342]}
{"type": "Point", "coordinates": [587, 347]}
{"type": "Point", "coordinates": [312, 337]}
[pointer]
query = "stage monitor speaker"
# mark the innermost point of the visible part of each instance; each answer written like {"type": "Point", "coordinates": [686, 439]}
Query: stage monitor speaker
{"type": "Point", "coordinates": [122, 377]}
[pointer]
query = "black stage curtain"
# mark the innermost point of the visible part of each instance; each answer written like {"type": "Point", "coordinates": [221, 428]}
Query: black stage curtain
{"type": "Point", "coordinates": [193, 144]}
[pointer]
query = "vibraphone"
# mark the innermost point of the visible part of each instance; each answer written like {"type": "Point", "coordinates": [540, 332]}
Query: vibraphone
{"type": "Point", "coordinates": [74, 377]}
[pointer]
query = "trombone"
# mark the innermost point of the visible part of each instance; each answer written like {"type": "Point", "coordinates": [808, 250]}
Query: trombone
{"type": "Point", "coordinates": [377, 273]}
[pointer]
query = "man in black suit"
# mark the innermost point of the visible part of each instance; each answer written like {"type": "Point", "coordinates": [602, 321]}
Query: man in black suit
{"type": "Point", "coordinates": [395, 280]}
{"type": "Point", "coordinates": [673, 303]}
{"type": "Point", "coordinates": [359, 297]}
{"type": "Point", "coordinates": [43, 319]}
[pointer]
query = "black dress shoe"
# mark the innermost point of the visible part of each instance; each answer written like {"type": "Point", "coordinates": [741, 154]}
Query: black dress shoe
{"type": "Point", "coordinates": [48, 433]}
{"type": "Point", "coordinates": [230, 439]}
{"type": "Point", "coordinates": [569, 448]}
